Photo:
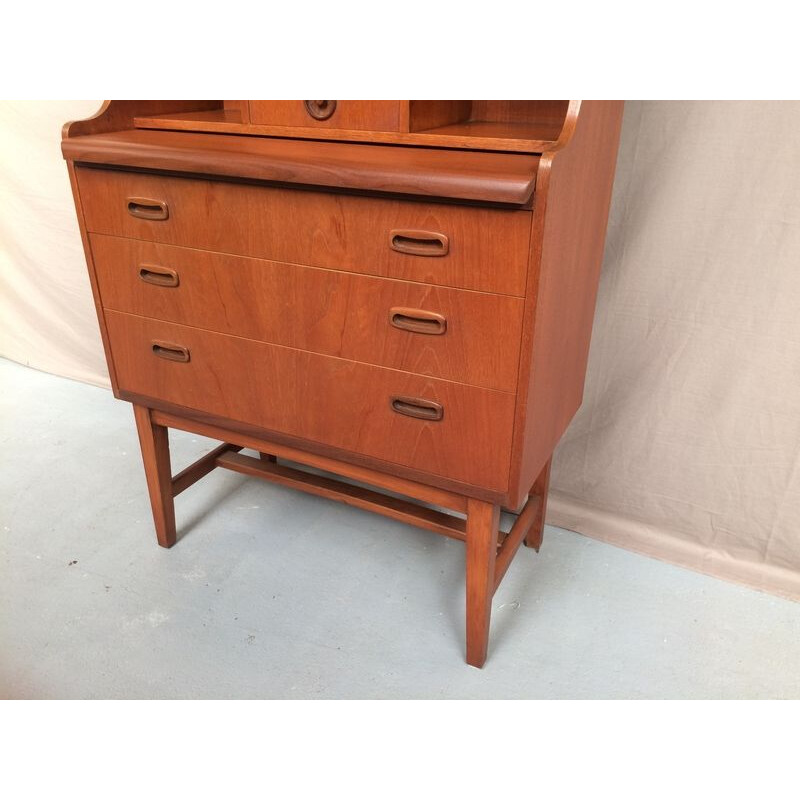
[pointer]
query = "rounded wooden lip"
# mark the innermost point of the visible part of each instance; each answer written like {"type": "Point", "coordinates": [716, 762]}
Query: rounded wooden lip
{"type": "Point", "coordinates": [501, 178]}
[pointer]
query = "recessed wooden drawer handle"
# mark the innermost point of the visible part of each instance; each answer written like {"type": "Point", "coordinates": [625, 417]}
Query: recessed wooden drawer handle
{"type": "Point", "coordinates": [417, 321]}
{"type": "Point", "coordinates": [320, 109]}
{"type": "Point", "coordinates": [143, 208]}
{"type": "Point", "coordinates": [419, 243]}
{"type": "Point", "coordinates": [418, 408]}
{"type": "Point", "coordinates": [172, 352]}
{"type": "Point", "coordinates": [158, 276]}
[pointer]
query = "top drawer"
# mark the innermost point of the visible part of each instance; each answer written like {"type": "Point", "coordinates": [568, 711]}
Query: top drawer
{"type": "Point", "coordinates": [354, 115]}
{"type": "Point", "coordinates": [461, 246]}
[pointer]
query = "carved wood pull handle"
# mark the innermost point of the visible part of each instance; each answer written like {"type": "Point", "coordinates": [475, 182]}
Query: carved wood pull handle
{"type": "Point", "coordinates": [171, 352]}
{"type": "Point", "coordinates": [158, 276]}
{"type": "Point", "coordinates": [419, 243]}
{"type": "Point", "coordinates": [142, 208]}
{"type": "Point", "coordinates": [418, 408]}
{"type": "Point", "coordinates": [417, 321]}
{"type": "Point", "coordinates": [320, 109]}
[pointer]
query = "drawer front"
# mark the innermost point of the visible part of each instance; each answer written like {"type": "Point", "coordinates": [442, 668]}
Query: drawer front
{"type": "Point", "coordinates": [470, 337]}
{"type": "Point", "coordinates": [461, 246]}
{"type": "Point", "coordinates": [355, 115]}
{"type": "Point", "coordinates": [332, 401]}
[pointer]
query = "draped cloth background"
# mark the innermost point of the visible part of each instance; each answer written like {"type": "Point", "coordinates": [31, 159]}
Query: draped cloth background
{"type": "Point", "coordinates": [687, 446]}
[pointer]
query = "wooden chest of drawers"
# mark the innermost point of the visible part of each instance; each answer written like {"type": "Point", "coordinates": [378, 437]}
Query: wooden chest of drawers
{"type": "Point", "coordinates": [397, 292]}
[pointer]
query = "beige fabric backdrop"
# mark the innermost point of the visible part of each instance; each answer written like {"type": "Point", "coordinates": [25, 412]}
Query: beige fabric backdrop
{"type": "Point", "coordinates": [687, 446]}
{"type": "Point", "coordinates": [47, 316]}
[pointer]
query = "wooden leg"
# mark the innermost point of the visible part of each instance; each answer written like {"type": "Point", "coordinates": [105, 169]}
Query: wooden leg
{"type": "Point", "coordinates": [483, 520]}
{"type": "Point", "coordinates": [154, 441]}
{"type": "Point", "coordinates": [268, 457]}
{"type": "Point", "coordinates": [540, 488]}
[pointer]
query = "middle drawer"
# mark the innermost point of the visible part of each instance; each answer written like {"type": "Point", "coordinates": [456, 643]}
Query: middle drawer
{"type": "Point", "coordinates": [463, 336]}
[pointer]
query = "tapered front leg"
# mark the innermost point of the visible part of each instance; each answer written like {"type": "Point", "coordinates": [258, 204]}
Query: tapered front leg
{"type": "Point", "coordinates": [483, 521]}
{"type": "Point", "coordinates": [540, 488]}
{"type": "Point", "coordinates": [154, 441]}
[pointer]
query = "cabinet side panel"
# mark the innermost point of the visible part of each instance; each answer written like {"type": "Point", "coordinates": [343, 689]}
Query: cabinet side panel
{"type": "Point", "coordinates": [98, 303]}
{"type": "Point", "coordinates": [574, 190]}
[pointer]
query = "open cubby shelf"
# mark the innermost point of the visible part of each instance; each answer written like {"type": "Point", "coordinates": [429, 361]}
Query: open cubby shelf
{"type": "Point", "coordinates": [531, 126]}
{"type": "Point", "coordinates": [487, 129]}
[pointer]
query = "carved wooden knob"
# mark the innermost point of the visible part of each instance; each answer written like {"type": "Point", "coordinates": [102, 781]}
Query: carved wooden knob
{"type": "Point", "coordinates": [320, 109]}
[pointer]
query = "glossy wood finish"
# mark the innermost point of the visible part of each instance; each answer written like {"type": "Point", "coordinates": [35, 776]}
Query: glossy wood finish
{"type": "Point", "coordinates": [528, 126]}
{"type": "Point", "coordinates": [87, 250]}
{"type": "Point", "coordinates": [240, 107]}
{"type": "Point", "coordinates": [540, 489]}
{"type": "Point", "coordinates": [479, 177]}
{"type": "Point", "coordinates": [573, 198]}
{"type": "Point", "coordinates": [300, 298]}
{"type": "Point", "coordinates": [154, 443]}
{"type": "Point", "coordinates": [426, 114]}
{"type": "Point", "coordinates": [358, 496]}
{"type": "Point", "coordinates": [324, 311]}
{"type": "Point", "coordinates": [378, 469]}
{"type": "Point", "coordinates": [483, 520]}
{"type": "Point", "coordinates": [498, 132]}
{"type": "Point", "coordinates": [546, 113]}
{"type": "Point", "coordinates": [521, 529]}
{"type": "Point", "coordinates": [117, 115]}
{"type": "Point", "coordinates": [372, 115]}
{"type": "Point", "coordinates": [511, 137]}
{"type": "Point", "coordinates": [494, 120]}
{"type": "Point", "coordinates": [194, 472]}
{"type": "Point", "coordinates": [341, 403]}
{"type": "Point", "coordinates": [489, 556]}
{"type": "Point", "coordinates": [488, 248]}
{"type": "Point", "coordinates": [256, 440]}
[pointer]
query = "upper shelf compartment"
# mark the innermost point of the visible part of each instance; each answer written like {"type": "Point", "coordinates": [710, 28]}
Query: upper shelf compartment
{"type": "Point", "coordinates": [531, 120]}
{"type": "Point", "coordinates": [528, 126]}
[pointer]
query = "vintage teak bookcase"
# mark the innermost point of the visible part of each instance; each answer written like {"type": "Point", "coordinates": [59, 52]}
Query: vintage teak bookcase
{"type": "Point", "coordinates": [399, 293]}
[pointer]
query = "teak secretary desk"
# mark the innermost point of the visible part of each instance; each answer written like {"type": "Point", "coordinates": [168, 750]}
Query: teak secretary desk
{"type": "Point", "coordinates": [397, 292]}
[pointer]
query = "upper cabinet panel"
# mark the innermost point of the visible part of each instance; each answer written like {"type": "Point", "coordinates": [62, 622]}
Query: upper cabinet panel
{"type": "Point", "coordinates": [512, 126]}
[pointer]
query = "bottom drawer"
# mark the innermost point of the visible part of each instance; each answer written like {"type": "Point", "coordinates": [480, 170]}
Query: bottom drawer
{"type": "Point", "coordinates": [374, 411]}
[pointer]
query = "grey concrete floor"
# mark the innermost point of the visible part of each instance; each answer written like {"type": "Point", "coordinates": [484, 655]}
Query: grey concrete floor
{"type": "Point", "coordinates": [270, 593]}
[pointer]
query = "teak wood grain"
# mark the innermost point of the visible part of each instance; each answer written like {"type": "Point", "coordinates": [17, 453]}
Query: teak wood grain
{"type": "Point", "coordinates": [87, 250]}
{"type": "Point", "coordinates": [358, 496]}
{"type": "Point", "coordinates": [551, 113]}
{"type": "Point", "coordinates": [344, 404]}
{"type": "Point", "coordinates": [483, 520]}
{"type": "Point", "coordinates": [117, 115]}
{"type": "Point", "coordinates": [240, 107]}
{"type": "Point", "coordinates": [469, 176]}
{"type": "Point", "coordinates": [524, 126]}
{"type": "Point", "coordinates": [154, 443]}
{"type": "Point", "coordinates": [372, 115]}
{"type": "Point", "coordinates": [233, 431]}
{"type": "Point", "coordinates": [426, 114]}
{"type": "Point", "coordinates": [488, 248]}
{"type": "Point", "coordinates": [200, 468]}
{"type": "Point", "coordinates": [395, 315]}
{"type": "Point", "coordinates": [324, 311]}
{"type": "Point", "coordinates": [541, 486]}
{"type": "Point", "coordinates": [566, 256]}
{"type": "Point", "coordinates": [240, 436]}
